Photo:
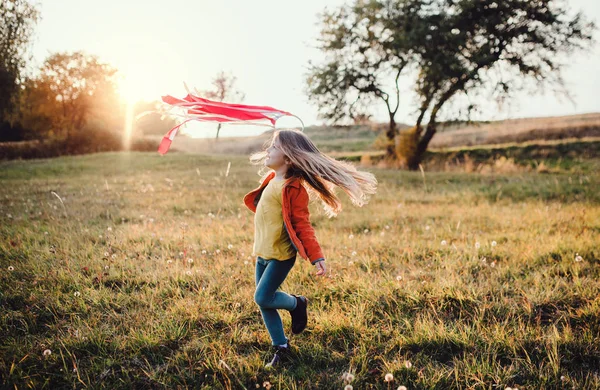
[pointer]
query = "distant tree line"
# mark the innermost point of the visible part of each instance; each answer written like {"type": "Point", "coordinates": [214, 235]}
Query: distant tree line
{"type": "Point", "coordinates": [71, 102]}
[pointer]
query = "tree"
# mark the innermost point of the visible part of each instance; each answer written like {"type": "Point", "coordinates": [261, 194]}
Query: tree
{"type": "Point", "coordinates": [224, 89]}
{"type": "Point", "coordinates": [18, 19]}
{"type": "Point", "coordinates": [452, 46]}
{"type": "Point", "coordinates": [69, 87]}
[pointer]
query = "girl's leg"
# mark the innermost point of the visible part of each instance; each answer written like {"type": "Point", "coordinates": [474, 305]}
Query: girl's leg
{"type": "Point", "coordinates": [269, 276]}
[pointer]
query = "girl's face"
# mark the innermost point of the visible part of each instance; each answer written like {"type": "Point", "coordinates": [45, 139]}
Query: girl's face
{"type": "Point", "coordinates": [275, 157]}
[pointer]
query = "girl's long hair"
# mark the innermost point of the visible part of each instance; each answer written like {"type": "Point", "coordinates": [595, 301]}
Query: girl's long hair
{"type": "Point", "coordinates": [319, 173]}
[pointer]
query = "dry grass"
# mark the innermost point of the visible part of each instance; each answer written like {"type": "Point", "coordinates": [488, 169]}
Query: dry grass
{"type": "Point", "coordinates": [519, 130]}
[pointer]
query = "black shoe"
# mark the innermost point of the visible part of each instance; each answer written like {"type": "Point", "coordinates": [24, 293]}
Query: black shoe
{"type": "Point", "coordinates": [281, 356]}
{"type": "Point", "coordinates": [299, 316]}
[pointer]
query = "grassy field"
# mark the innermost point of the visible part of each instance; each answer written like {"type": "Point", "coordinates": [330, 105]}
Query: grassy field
{"type": "Point", "coordinates": [135, 271]}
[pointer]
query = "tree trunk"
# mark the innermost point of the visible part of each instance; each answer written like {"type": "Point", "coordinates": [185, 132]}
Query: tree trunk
{"type": "Point", "coordinates": [390, 152]}
{"type": "Point", "coordinates": [417, 158]}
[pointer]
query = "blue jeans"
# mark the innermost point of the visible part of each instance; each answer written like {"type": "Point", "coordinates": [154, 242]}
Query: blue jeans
{"type": "Point", "coordinates": [269, 276]}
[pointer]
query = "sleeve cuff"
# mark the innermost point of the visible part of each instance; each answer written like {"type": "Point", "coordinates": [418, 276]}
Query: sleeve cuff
{"type": "Point", "coordinates": [318, 260]}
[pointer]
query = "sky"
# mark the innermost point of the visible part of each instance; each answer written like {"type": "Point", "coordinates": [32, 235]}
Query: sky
{"type": "Point", "coordinates": [266, 44]}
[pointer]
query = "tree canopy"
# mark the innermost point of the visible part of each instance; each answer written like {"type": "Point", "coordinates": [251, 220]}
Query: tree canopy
{"type": "Point", "coordinates": [449, 47]}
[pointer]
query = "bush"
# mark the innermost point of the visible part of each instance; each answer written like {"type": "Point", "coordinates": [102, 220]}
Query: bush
{"type": "Point", "coordinates": [93, 141]}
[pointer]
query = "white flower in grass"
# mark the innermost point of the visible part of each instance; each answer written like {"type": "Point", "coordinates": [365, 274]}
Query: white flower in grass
{"type": "Point", "coordinates": [47, 352]}
{"type": "Point", "coordinates": [106, 267]}
{"type": "Point", "coordinates": [11, 268]}
{"type": "Point", "coordinates": [353, 253]}
{"type": "Point", "coordinates": [189, 273]}
{"type": "Point", "coordinates": [218, 251]}
{"type": "Point", "coordinates": [203, 251]}
{"type": "Point", "coordinates": [109, 229]}
{"type": "Point", "coordinates": [493, 264]}
{"type": "Point", "coordinates": [106, 254]}
{"type": "Point", "coordinates": [267, 385]}
{"type": "Point", "coordinates": [444, 242]}
{"type": "Point", "coordinates": [348, 377]}
{"type": "Point", "coordinates": [399, 277]}
{"type": "Point", "coordinates": [350, 262]}
{"type": "Point", "coordinates": [348, 387]}
{"type": "Point", "coordinates": [246, 262]}
{"type": "Point", "coordinates": [181, 254]}
{"type": "Point", "coordinates": [366, 231]}
{"type": "Point", "coordinates": [77, 294]}
{"type": "Point", "coordinates": [389, 377]}
{"type": "Point", "coordinates": [190, 260]}
{"type": "Point", "coordinates": [401, 388]}
{"type": "Point", "coordinates": [169, 261]}
{"type": "Point", "coordinates": [351, 236]}
{"type": "Point", "coordinates": [114, 256]}
{"type": "Point", "coordinates": [494, 243]}
{"type": "Point", "coordinates": [45, 233]}
{"type": "Point", "coordinates": [387, 227]}
{"type": "Point", "coordinates": [578, 258]}
{"type": "Point", "coordinates": [407, 364]}
{"type": "Point", "coordinates": [229, 246]}
{"type": "Point", "coordinates": [477, 245]}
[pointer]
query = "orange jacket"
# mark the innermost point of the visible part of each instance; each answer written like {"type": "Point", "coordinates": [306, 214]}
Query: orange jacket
{"type": "Point", "coordinates": [296, 217]}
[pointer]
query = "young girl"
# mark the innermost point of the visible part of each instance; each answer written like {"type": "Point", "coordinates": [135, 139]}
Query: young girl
{"type": "Point", "coordinates": [282, 222]}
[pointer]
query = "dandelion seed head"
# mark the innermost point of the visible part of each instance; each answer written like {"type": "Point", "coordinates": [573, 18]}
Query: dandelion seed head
{"type": "Point", "coordinates": [190, 260]}
{"type": "Point", "coordinates": [109, 229]}
{"type": "Point", "coordinates": [189, 273]}
{"type": "Point", "coordinates": [11, 268]}
{"type": "Point", "coordinates": [350, 262]}
{"type": "Point", "coordinates": [47, 352]}
{"type": "Point", "coordinates": [106, 254]}
{"type": "Point", "coordinates": [477, 245]}
{"type": "Point", "coordinates": [348, 387]}
{"type": "Point", "coordinates": [246, 262]}
{"type": "Point", "coordinates": [45, 233]}
{"type": "Point", "coordinates": [399, 277]}
{"type": "Point", "coordinates": [401, 388]}
{"type": "Point", "coordinates": [366, 231]}
{"type": "Point", "coordinates": [203, 251]}
{"type": "Point", "coordinates": [218, 251]}
{"type": "Point", "coordinates": [494, 243]}
{"type": "Point", "coordinates": [229, 246]}
{"type": "Point", "coordinates": [407, 364]}
{"type": "Point", "coordinates": [348, 376]}
{"type": "Point", "coordinates": [267, 385]}
{"type": "Point", "coordinates": [114, 256]}
{"type": "Point", "coordinates": [389, 377]}
{"type": "Point", "coordinates": [169, 261]}
{"type": "Point", "coordinates": [578, 258]}
{"type": "Point", "coordinates": [387, 227]}
{"type": "Point", "coordinates": [106, 267]}
{"type": "Point", "coordinates": [77, 294]}
{"type": "Point", "coordinates": [444, 242]}
{"type": "Point", "coordinates": [181, 254]}
{"type": "Point", "coordinates": [353, 253]}
{"type": "Point", "coordinates": [351, 236]}
{"type": "Point", "coordinates": [427, 227]}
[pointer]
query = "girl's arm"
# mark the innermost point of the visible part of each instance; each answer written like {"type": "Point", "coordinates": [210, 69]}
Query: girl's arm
{"type": "Point", "coordinates": [300, 219]}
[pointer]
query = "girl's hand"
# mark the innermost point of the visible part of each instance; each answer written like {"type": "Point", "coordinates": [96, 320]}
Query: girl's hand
{"type": "Point", "coordinates": [321, 269]}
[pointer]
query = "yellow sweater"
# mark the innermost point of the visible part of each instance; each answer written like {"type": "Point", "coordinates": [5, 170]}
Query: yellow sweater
{"type": "Point", "coordinates": [271, 240]}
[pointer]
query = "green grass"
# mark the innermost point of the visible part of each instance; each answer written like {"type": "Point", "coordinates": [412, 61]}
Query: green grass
{"type": "Point", "coordinates": [104, 281]}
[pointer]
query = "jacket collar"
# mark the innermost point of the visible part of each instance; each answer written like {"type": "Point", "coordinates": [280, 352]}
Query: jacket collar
{"type": "Point", "coordinates": [292, 182]}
